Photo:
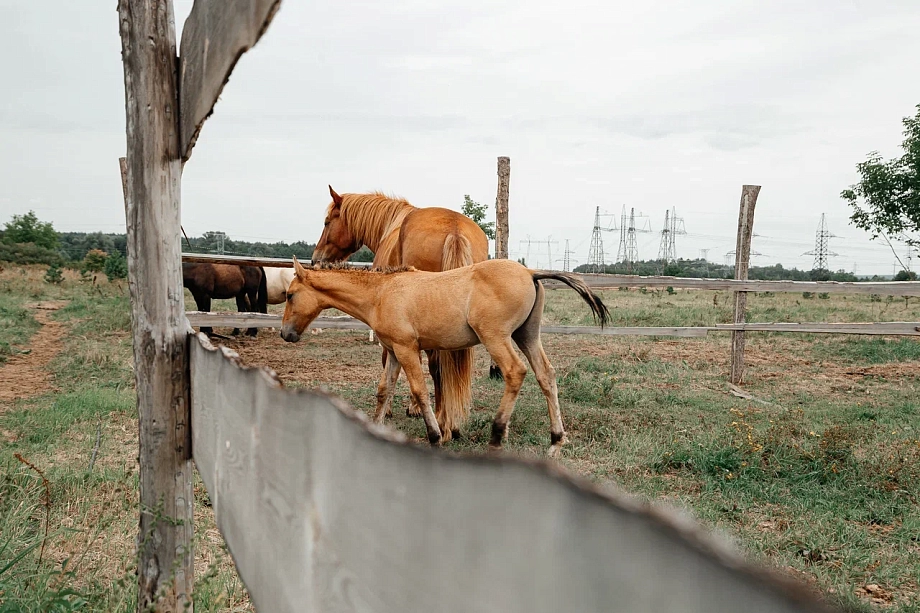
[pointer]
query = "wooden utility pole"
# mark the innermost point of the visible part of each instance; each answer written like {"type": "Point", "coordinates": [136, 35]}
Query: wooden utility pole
{"type": "Point", "coordinates": [501, 208]}
{"type": "Point", "coordinates": [154, 168]}
{"type": "Point", "coordinates": [742, 262]}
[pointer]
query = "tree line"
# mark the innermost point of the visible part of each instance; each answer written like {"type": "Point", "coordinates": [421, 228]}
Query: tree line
{"type": "Point", "coordinates": [698, 268]}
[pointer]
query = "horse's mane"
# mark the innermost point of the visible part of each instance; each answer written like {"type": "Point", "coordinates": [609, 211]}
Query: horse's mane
{"type": "Point", "coordinates": [371, 216]}
{"type": "Point", "coordinates": [350, 267]}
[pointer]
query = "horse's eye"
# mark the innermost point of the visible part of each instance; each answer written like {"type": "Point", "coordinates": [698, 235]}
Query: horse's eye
{"type": "Point", "coordinates": [290, 296]}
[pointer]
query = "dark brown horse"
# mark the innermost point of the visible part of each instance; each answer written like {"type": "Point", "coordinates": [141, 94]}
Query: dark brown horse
{"type": "Point", "coordinates": [224, 281]}
{"type": "Point", "coordinates": [432, 239]}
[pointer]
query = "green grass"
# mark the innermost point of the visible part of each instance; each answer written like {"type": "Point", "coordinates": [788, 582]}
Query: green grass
{"type": "Point", "coordinates": [16, 324]}
{"type": "Point", "coordinates": [823, 482]}
{"type": "Point", "coordinates": [877, 350]}
{"type": "Point", "coordinates": [88, 562]}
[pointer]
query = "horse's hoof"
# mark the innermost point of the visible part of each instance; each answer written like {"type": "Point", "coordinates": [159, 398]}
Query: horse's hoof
{"type": "Point", "coordinates": [434, 438]}
{"type": "Point", "coordinates": [455, 434]}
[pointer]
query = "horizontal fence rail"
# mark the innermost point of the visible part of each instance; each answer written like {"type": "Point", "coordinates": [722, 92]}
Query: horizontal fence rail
{"type": "Point", "coordinates": [598, 281]}
{"type": "Point", "coordinates": [245, 260]}
{"type": "Point", "coordinates": [324, 511]}
{"type": "Point", "coordinates": [892, 328]}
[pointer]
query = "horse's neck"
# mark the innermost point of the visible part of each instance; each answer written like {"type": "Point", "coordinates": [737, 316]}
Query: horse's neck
{"type": "Point", "coordinates": [351, 293]}
{"type": "Point", "coordinates": [385, 223]}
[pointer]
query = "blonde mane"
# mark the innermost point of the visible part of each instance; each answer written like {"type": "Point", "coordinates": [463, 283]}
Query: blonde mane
{"type": "Point", "coordinates": [372, 216]}
{"type": "Point", "coordinates": [350, 267]}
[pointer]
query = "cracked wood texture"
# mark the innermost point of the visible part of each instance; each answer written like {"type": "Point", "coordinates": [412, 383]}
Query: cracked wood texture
{"type": "Point", "coordinates": [152, 181]}
{"type": "Point", "coordinates": [324, 511]}
{"type": "Point", "coordinates": [501, 208]}
{"type": "Point", "coordinates": [742, 263]}
{"type": "Point", "coordinates": [215, 35]}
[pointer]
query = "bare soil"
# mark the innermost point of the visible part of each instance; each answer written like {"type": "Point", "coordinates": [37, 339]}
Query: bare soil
{"type": "Point", "coordinates": [25, 374]}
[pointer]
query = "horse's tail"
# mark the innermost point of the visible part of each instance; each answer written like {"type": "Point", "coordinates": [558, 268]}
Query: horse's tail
{"type": "Point", "coordinates": [457, 252]}
{"type": "Point", "coordinates": [262, 295]}
{"type": "Point", "coordinates": [598, 308]}
{"type": "Point", "coordinates": [455, 368]}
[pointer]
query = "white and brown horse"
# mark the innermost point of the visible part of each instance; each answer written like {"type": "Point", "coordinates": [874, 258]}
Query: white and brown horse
{"type": "Point", "coordinates": [493, 303]}
{"type": "Point", "coordinates": [277, 281]}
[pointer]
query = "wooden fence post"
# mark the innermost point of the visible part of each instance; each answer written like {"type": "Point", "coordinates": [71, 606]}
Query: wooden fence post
{"type": "Point", "coordinates": [501, 230]}
{"type": "Point", "coordinates": [742, 262]}
{"type": "Point", "coordinates": [154, 168]}
{"type": "Point", "coordinates": [501, 208]}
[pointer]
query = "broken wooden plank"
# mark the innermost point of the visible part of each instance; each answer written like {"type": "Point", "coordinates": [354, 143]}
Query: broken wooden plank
{"type": "Point", "coordinates": [215, 35]}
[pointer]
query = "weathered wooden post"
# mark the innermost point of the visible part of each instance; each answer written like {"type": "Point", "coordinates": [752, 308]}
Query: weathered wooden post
{"type": "Point", "coordinates": [501, 229]}
{"type": "Point", "coordinates": [742, 262]}
{"type": "Point", "coordinates": [501, 208]}
{"type": "Point", "coordinates": [154, 168]}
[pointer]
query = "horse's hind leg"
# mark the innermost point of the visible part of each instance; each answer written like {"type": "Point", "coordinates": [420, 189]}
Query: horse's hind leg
{"type": "Point", "coordinates": [514, 370]}
{"type": "Point", "coordinates": [532, 348]}
{"type": "Point", "coordinates": [253, 308]}
{"type": "Point", "coordinates": [527, 337]}
{"type": "Point", "coordinates": [242, 306]}
{"type": "Point", "coordinates": [411, 363]}
{"type": "Point", "coordinates": [387, 388]}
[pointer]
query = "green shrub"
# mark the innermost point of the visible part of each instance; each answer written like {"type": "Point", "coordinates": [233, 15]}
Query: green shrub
{"type": "Point", "coordinates": [54, 274]}
{"type": "Point", "coordinates": [116, 266]}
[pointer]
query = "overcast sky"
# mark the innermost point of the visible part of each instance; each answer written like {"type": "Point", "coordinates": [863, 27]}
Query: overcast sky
{"type": "Point", "coordinates": [650, 105]}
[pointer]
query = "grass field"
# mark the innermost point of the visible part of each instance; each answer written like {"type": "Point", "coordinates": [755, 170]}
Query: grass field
{"type": "Point", "coordinates": [819, 477]}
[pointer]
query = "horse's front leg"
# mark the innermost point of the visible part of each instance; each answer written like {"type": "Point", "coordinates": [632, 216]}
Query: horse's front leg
{"type": "Point", "coordinates": [386, 388]}
{"type": "Point", "coordinates": [411, 362]}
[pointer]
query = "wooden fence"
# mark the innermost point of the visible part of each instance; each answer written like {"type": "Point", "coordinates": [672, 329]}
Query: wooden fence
{"type": "Point", "coordinates": [324, 511]}
{"type": "Point", "coordinates": [321, 510]}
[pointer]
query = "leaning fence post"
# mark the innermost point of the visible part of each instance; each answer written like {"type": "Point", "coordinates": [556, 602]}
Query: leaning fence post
{"type": "Point", "coordinates": [165, 564]}
{"type": "Point", "coordinates": [742, 261]}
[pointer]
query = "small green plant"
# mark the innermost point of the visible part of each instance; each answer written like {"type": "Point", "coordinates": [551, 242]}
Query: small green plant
{"type": "Point", "coordinates": [824, 296]}
{"type": "Point", "coordinates": [808, 295]}
{"type": "Point", "coordinates": [54, 274]}
{"type": "Point", "coordinates": [875, 298]}
{"type": "Point", "coordinates": [643, 290]}
{"type": "Point", "coordinates": [670, 290]}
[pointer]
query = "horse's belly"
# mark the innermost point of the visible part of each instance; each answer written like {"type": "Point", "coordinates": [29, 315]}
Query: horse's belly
{"type": "Point", "coordinates": [448, 339]}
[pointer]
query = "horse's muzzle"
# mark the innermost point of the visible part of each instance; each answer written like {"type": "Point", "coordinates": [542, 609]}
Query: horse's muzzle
{"type": "Point", "coordinates": [288, 334]}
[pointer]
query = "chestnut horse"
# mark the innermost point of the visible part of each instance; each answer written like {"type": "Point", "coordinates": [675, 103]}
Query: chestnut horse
{"type": "Point", "coordinates": [432, 239]}
{"type": "Point", "coordinates": [493, 303]}
{"type": "Point", "coordinates": [222, 281]}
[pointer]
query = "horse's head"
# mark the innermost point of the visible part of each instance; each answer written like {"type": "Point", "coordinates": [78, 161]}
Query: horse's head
{"type": "Point", "coordinates": [337, 242]}
{"type": "Point", "coordinates": [302, 305]}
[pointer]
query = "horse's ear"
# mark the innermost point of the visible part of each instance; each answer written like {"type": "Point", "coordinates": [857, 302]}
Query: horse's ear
{"type": "Point", "coordinates": [336, 199]}
{"type": "Point", "coordinates": [299, 270]}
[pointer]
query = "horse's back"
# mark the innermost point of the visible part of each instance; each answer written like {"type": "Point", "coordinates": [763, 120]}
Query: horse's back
{"type": "Point", "coordinates": [423, 233]}
{"type": "Point", "coordinates": [277, 281]}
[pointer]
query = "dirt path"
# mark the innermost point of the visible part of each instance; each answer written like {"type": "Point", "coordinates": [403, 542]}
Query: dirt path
{"type": "Point", "coordinates": [24, 374]}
